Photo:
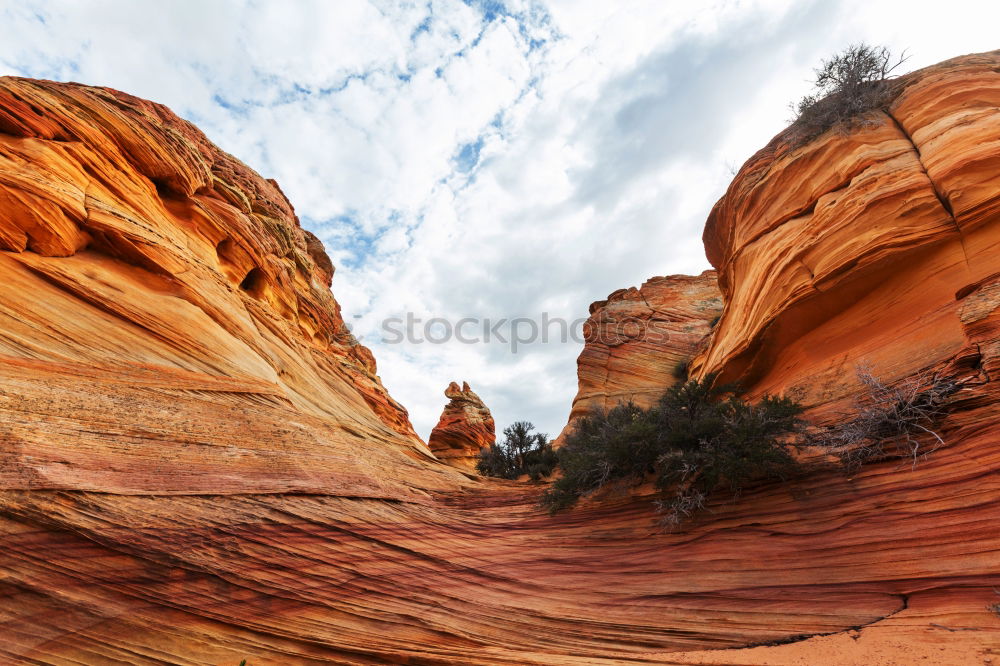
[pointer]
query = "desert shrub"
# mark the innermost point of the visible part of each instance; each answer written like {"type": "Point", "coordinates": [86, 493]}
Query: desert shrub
{"type": "Point", "coordinates": [495, 461]}
{"type": "Point", "coordinates": [606, 446]}
{"type": "Point", "coordinates": [891, 421]}
{"type": "Point", "coordinates": [521, 452]}
{"type": "Point", "coordinates": [995, 607]}
{"type": "Point", "coordinates": [709, 442]}
{"type": "Point", "coordinates": [541, 460]}
{"type": "Point", "coordinates": [681, 368]}
{"type": "Point", "coordinates": [699, 438]}
{"type": "Point", "coordinates": [847, 87]}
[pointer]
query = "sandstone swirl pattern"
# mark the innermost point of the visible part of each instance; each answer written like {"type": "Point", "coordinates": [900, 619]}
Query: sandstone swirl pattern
{"type": "Point", "coordinates": [638, 341]}
{"type": "Point", "coordinates": [465, 428]}
{"type": "Point", "coordinates": [198, 463]}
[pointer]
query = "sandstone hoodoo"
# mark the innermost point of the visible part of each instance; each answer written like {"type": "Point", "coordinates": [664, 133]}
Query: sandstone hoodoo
{"type": "Point", "coordinates": [465, 428]}
{"type": "Point", "coordinates": [198, 463]}
{"type": "Point", "coordinates": [639, 341]}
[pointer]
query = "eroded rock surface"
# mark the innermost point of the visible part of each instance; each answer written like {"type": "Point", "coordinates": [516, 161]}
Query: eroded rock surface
{"type": "Point", "coordinates": [198, 464]}
{"type": "Point", "coordinates": [881, 248]}
{"type": "Point", "coordinates": [465, 428]}
{"type": "Point", "coordinates": [639, 341]}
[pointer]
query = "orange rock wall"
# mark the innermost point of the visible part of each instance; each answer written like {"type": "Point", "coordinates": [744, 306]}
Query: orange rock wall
{"type": "Point", "coordinates": [881, 247]}
{"type": "Point", "coordinates": [465, 428]}
{"type": "Point", "coordinates": [636, 338]}
{"type": "Point", "coordinates": [861, 247]}
{"type": "Point", "coordinates": [129, 241]}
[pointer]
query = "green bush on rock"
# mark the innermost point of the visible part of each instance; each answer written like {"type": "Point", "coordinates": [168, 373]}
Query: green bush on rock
{"type": "Point", "coordinates": [698, 439]}
{"type": "Point", "coordinates": [521, 452]}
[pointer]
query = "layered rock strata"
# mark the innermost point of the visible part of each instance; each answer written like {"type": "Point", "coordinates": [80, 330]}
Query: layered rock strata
{"type": "Point", "coordinates": [465, 428]}
{"type": "Point", "coordinates": [198, 464]}
{"type": "Point", "coordinates": [639, 342]}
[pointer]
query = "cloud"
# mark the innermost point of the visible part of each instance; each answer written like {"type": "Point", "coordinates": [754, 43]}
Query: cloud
{"type": "Point", "coordinates": [480, 159]}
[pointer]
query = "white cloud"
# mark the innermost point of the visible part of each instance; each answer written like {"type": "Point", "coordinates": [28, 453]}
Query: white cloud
{"type": "Point", "coordinates": [484, 159]}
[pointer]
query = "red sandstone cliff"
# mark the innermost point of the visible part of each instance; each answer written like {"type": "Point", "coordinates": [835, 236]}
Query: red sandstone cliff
{"type": "Point", "coordinates": [133, 245]}
{"type": "Point", "coordinates": [465, 428]}
{"type": "Point", "coordinates": [637, 338]}
{"type": "Point", "coordinates": [877, 247]}
{"type": "Point", "coordinates": [198, 465]}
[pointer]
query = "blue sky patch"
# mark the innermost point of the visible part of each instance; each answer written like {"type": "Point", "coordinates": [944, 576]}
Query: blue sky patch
{"type": "Point", "coordinates": [468, 156]}
{"type": "Point", "coordinates": [425, 26]}
{"type": "Point", "coordinates": [491, 9]}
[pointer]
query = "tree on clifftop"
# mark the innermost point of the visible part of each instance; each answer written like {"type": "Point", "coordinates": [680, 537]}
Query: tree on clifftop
{"type": "Point", "coordinates": [847, 87]}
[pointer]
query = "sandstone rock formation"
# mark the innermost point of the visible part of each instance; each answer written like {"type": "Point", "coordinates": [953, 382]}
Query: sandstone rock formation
{"type": "Point", "coordinates": [466, 427]}
{"type": "Point", "coordinates": [172, 254]}
{"type": "Point", "coordinates": [637, 338]}
{"type": "Point", "coordinates": [198, 464]}
{"type": "Point", "coordinates": [880, 247]}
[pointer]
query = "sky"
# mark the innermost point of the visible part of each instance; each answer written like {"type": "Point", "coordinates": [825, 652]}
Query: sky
{"type": "Point", "coordinates": [482, 159]}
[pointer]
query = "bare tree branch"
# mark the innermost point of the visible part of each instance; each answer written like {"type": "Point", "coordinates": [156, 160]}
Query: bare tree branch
{"type": "Point", "coordinates": [891, 421]}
